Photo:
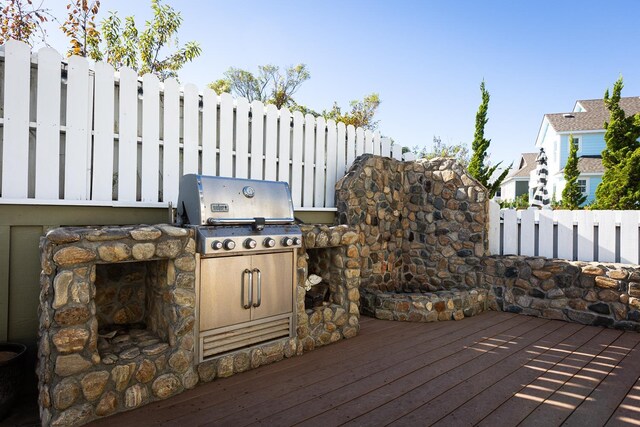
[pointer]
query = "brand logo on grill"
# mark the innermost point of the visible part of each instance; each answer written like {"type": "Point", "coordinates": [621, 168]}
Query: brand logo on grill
{"type": "Point", "coordinates": [219, 207]}
{"type": "Point", "coordinates": [248, 192]}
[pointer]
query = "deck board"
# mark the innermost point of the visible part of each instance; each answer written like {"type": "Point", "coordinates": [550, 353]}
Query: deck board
{"type": "Point", "coordinates": [493, 369]}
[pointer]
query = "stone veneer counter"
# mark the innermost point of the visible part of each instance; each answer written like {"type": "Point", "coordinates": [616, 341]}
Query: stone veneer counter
{"type": "Point", "coordinates": [104, 348]}
{"type": "Point", "coordinates": [117, 315]}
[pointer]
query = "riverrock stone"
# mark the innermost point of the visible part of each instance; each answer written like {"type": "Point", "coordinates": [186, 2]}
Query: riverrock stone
{"type": "Point", "coordinates": [65, 394]}
{"type": "Point", "coordinates": [71, 364]}
{"type": "Point", "coordinates": [73, 255]}
{"type": "Point", "coordinates": [166, 385]}
{"type": "Point", "coordinates": [142, 251]}
{"type": "Point", "coordinates": [70, 340]}
{"type": "Point", "coordinates": [114, 252]}
{"type": "Point", "coordinates": [135, 395]}
{"type": "Point", "coordinates": [93, 384]}
{"type": "Point", "coordinates": [145, 233]}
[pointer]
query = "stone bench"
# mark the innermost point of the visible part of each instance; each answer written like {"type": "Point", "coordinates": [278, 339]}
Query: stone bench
{"type": "Point", "coordinates": [424, 306]}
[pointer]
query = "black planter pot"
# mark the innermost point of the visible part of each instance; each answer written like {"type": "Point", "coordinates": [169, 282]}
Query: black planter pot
{"type": "Point", "coordinates": [12, 356]}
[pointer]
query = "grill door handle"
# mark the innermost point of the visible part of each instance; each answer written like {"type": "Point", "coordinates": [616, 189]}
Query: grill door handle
{"type": "Point", "coordinates": [250, 282]}
{"type": "Point", "coordinates": [259, 287]}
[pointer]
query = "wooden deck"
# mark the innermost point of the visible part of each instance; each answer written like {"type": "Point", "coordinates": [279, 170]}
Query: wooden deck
{"type": "Point", "coordinates": [493, 369]}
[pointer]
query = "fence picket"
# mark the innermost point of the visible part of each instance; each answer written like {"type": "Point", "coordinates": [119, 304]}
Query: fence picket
{"type": "Point", "coordinates": [271, 144]}
{"type": "Point", "coordinates": [545, 231]}
{"type": "Point", "coordinates": [321, 134]}
{"type": "Point", "coordinates": [257, 140]}
{"type": "Point", "coordinates": [368, 141]}
{"type": "Point", "coordinates": [171, 142]}
{"type": "Point", "coordinates": [376, 143]}
{"type": "Point", "coordinates": [48, 125]}
{"type": "Point", "coordinates": [585, 235]}
{"type": "Point", "coordinates": [341, 148]}
{"type": "Point", "coordinates": [284, 148]}
{"type": "Point", "coordinates": [408, 156]}
{"type": "Point", "coordinates": [15, 155]}
{"type": "Point", "coordinates": [209, 131]}
{"type": "Point", "coordinates": [150, 138]}
{"type": "Point", "coordinates": [606, 236]}
{"type": "Point", "coordinates": [77, 133]}
{"type": "Point", "coordinates": [565, 234]}
{"type": "Point", "coordinates": [191, 130]}
{"type": "Point", "coordinates": [629, 237]}
{"type": "Point", "coordinates": [242, 138]}
{"type": "Point", "coordinates": [331, 163]}
{"type": "Point", "coordinates": [359, 142]}
{"type": "Point", "coordinates": [103, 136]}
{"type": "Point", "coordinates": [351, 145]}
{"type": "Point", "coordinates": [494, 228]}
{"type": "Point", "coordinates": [296, 166]}
{"type": "Point", "coordinates": [527, 232]}
{"type": "Point", "coordinates": [510, 231]}
{"type": "Point", "coordinates": [396, 152]}
{"type": "Point", "coordinates": [226, 135]}
{"type": "Point", "coordinates": [128, 135]}
{"type": "Point", "coordinates": [386, 147]}
{"type": "Point", "coordinates": [309, 151]}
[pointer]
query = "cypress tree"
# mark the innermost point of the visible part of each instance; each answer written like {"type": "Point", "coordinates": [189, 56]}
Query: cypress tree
{"type": "Point", "coordinates": [572, 197]}
{"type": "Point", "coordinates": [620, 186]}
{"type": "Point", "coordinates": [480, 145]}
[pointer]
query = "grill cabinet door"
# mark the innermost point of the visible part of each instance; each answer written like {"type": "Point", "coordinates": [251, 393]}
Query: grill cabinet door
{"type": "Point", "coordinates": [277, 284]}
{"type": "Point", "coordinates": [223, 291]}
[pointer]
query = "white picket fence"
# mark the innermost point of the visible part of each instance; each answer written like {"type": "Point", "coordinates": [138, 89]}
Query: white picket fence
{"type": "Point", "coordinates": [584, 235]}
{"type": "Point", "coordinates": [75, 132]}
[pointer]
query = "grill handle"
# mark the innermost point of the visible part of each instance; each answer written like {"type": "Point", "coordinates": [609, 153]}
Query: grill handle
{"type": "Point", "coordinates": [259, 288]}
{"type": "Point", "coordinates": [242, 281]}
{"type": "Point", "coordinates": [236, 221]}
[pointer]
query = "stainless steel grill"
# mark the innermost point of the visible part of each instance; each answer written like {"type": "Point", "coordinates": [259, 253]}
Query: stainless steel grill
{"type": "Point", "coordinates": [246, 238]}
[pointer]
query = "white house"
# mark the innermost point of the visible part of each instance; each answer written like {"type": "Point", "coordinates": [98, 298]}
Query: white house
{"type": "Point", "coordinates": [586, 124]}
{"type": "Point", "coordinates": [518, 181]}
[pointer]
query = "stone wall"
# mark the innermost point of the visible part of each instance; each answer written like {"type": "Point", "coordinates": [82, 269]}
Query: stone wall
{"type": "Point", "coordinates": [587, 293]}
{"type": "Point", "coordinates": [84, 371]}
{"type": "Point", "coordinates": [422, 224]}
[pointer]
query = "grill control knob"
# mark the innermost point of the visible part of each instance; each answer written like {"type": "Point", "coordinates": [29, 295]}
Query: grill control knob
{"type": "Point", "coordinates": [269, 242]}
{"type": "Point", "coordinates": [216, 244]}
{"type": "Point", "coordinates": [229, 244]}
{"type": "Point", "coordinates": [287, 241]}
{"type": "Point", "coordinates": [297, 241]}
{"type": "Point", "coordinates": [250, 244]}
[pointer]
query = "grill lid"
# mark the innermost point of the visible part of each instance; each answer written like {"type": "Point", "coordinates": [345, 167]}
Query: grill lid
{"type": "Point", "coordinates": [213, 200]}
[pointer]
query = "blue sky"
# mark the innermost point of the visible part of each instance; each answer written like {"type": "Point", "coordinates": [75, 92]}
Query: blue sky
{"type": "Point", "coordinates": [426, 59]}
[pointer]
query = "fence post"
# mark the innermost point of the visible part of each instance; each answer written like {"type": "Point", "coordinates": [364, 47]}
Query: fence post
{"type": "Point", "coordinates": [494, 228]}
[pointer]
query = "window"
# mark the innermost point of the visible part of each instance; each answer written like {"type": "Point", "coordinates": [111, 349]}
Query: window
{"type": "Point", "coordinates": [582, 185]}
{"type": "Point", "coordinates": [577, 141]}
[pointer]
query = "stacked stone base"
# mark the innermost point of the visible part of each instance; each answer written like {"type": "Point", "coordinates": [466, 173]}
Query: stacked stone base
{"type": "Point", "coordinates": [246, 359]}
{"type": "Point", "coordinates": [423, 307]}
{"type": "Point", "coordinates": [599, 294]}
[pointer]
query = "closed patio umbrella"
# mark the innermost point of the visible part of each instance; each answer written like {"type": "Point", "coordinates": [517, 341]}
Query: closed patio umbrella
{"type": "Point", "coordinates": [541, 196]}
